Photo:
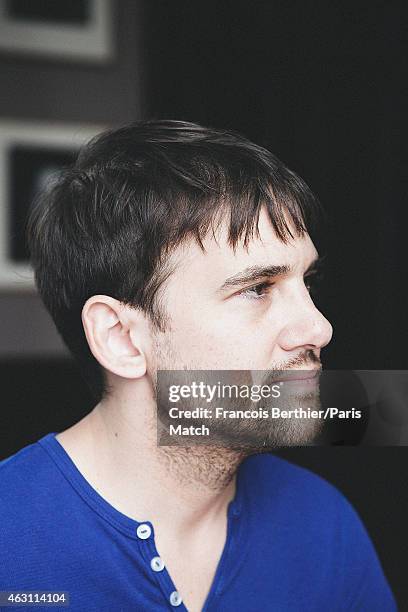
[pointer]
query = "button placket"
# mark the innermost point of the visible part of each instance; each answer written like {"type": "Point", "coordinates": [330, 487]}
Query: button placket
{"type": "Point", "coordinates": [236, 528]}
{"type": "Point", "coordinates": [145, 534]}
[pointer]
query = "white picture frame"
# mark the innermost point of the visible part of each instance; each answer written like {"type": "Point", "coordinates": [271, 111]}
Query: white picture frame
{"type": "Point", "coordinates": [92, 41]}
{"type": "Point", "coordinates": [35, 137]}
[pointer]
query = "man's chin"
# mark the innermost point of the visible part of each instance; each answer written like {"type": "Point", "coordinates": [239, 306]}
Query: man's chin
{"type": "Point", "coordinates": [297, 436]}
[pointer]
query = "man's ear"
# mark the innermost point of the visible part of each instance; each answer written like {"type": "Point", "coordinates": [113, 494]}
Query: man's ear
{"type": "Point", "coordinates": [117, 335]}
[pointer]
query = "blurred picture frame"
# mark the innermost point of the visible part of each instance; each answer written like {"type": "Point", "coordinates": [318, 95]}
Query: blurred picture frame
{"type": "Point", "coordinates": [31, 155]}
{"type": "Point", "coordinates": [79, 30]}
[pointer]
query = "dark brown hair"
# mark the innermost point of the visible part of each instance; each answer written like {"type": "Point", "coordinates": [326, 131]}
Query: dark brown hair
{"type": "Point", "coordinates": [134, 194]}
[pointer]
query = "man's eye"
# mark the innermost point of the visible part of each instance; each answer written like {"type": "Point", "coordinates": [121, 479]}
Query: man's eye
{"type": "Point", "coordinates": [256, 292]}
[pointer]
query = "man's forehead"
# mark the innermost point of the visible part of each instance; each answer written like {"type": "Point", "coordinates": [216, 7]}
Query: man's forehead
{"type": "Point", "coordinates": [219, 258]}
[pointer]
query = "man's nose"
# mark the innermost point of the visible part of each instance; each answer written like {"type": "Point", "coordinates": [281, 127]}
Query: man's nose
{"type": "Point", "coordinates": [306, 327]}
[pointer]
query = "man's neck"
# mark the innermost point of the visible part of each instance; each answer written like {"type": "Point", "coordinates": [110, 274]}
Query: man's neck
{"type": "Point", "coordinates": [183, 492]}
{"type": "Point", "coordinates": [115, 448]}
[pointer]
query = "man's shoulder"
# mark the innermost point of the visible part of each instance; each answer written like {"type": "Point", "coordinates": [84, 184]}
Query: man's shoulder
{"type": "Point", "coordinates": [277, 483]}
{"type": "Point", "coordinates": [269, 468]}
{"type": "Point", "coordinates": [316, 529]}
{"type": "Point", "coordinates": [22, 461]}
{"type": "Point", "coordinates": [22, 479]}
{"type": "Point", "coordinates": [305, 506]}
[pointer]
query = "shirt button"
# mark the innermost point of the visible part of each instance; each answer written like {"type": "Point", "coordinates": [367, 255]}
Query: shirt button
{"type": "Point", "coordinates": [175, 598]}
{"type": "Point", "coordinates": [143, 531]}
{"type": "Point", "coordinates": [157, 564]}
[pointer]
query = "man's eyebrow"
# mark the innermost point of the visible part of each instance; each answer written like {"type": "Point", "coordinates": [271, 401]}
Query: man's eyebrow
{"type": "Point", "coordinates": [253, 274]}
{"type": "Point", "coordinates": [257, 273]}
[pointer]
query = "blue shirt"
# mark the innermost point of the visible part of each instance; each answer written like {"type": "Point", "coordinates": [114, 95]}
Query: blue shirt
{"type": "Point", "coordinates": [294, 543]}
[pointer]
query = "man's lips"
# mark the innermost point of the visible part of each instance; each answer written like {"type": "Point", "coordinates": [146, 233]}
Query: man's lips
{"type": "Point", "coordinates": [294, 375]}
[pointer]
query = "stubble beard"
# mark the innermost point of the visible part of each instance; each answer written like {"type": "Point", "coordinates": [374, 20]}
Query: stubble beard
{"type": "Point", "coordinates": [213, 466]}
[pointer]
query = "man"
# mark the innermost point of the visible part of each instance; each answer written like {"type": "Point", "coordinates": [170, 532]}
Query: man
{"type": "Point", "coordinates": [169, 246]}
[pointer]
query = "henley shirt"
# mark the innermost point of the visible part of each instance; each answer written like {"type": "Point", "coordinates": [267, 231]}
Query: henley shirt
{"type": "Point", "coordinates": [294, 543]}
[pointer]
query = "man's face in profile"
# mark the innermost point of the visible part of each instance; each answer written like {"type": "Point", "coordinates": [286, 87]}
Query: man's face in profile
{"type": "Point", "coordinates": [245, 310]}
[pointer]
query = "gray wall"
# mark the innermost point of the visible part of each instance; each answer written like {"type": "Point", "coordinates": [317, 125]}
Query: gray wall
{"type": "Point", "coordinates": [39, 88]}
